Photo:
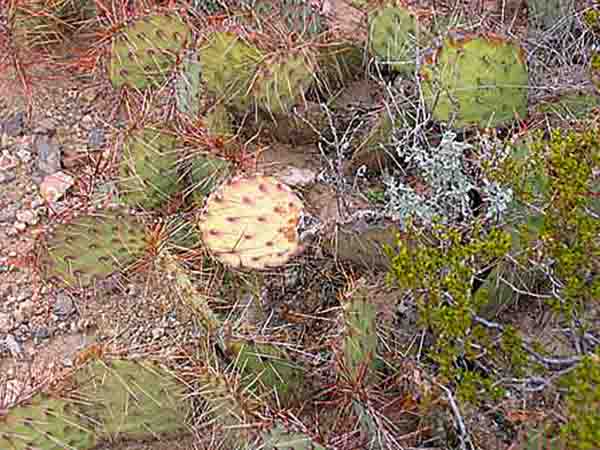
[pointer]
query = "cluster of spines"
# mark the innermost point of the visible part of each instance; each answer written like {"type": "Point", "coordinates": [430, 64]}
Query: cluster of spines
{"type": "Point", "coordinates": [92, 247]}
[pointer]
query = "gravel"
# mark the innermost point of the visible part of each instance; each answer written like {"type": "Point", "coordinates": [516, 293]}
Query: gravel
{"type": "Point", "coordinates": [36, 318]}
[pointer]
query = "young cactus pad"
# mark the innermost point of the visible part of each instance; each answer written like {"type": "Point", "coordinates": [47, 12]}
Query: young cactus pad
{"type": "Point", "coordinates": [228, 67]}
{"type": "Point", "coordinates": [109, 400]}
{"type": "Point", "coordinates": [251, 222]}
{"type": "Point", "coordinates": [148, 169]}
{"type": "Point", "coordinates": [476, 80]}
{"type": "Point", "coordinates": [393, 38]}
{"type": "Point", "coordinates": [360, 334]}
{"type": "Point", "coordinates": [92, 246]}
{"type": "Point", "coordinates": [267, 369]}
{"type": "Point", "coordinates": [145, 52]}
{"type": "Point", "coordinates": [45, 423]}
{"type": "Point", "coordinates": [281, 80]}
{"type": "Point", "coordinates": [130, 399]}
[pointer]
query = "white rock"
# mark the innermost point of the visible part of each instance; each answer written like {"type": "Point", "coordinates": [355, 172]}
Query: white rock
{"type": "Point", "coordinates": [27, 216]}
{"type": "Point", "coordinates": [54, 186]}
{"type": "Point", "coordinates": [292, 176]}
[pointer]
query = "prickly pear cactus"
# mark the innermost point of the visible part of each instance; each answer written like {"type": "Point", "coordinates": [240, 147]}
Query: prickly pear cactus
{"type": "Point", "coordinates": [229, 65]}
{"type": "Point", "coordinates": [46, 423]}
{"type": "Point", "coordinates": [339, 64]}
{"type": "Point", "coordinates": [92, 247]}
{"type": "Point", "coordinates": [297, 16]}
{"type": "Point", "coordinates": [241, 76]}
{"type": "Point", "coordinates": [227, 406]}
{"type": "Point", "coordinates": [282, 79]}
{"type": "Point", "coordinates": [250, 222]}
{"type": "Point", "coordinates": [130, 400]}
{"type": "Point", "coordinates": [476, 80]}
{"type": "Point", "coordinates": [188, 86]}
{"type": "Point", "coordinates": [279, 439]}
{"type": "Point", "coordinates": [267, 369]}
{"type": "Point", "coordinates": [148, 169]}
{"type": "Point", "coordinates": [145, 53]}
{"type": "Point", "coordinates": [360, 333]}
{"type": "Point", "coordinates": [105, 401]}
{"type": "Point", "coordinates": [394, 36]}
{"type": "Point", "coordinates": [218, 121]}
{"type": "Point", "coordinates": [205, 173]}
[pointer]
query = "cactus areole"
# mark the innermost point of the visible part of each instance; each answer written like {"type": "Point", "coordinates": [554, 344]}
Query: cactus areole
{"type": "Point", "coordinates": [476, 80]}
{"type": "Point", "coordinates": [251, 222]}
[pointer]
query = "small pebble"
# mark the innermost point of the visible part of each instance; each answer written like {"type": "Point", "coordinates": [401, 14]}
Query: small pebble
{"type": "Point", "coordinates": [63, 306]}
{"type": "Point", "coordinates": [49, 154]}
{"type": "Point", "coordinates": [7, 177]}
{"type": "Point", "coordinates": [19, 226]}
{"type": "Point", "coordinates": [8, 214]}
{"type": "Point", "coordinates": [6, 322]}
{"type": "Point", "coordinates": [28, 216]}
{"type": "Point", "coordinates": [23, 154]}
{"type": "Point", "coordinates": [14, 125]}
{"type": "Point", "coordinates": [96, 137]}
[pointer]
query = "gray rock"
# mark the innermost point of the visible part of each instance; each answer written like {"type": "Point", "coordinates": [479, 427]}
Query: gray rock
{"type": "Point", "coordinates": [14, 125]}
{"type": "Point", "coordinates": [49, 154]}
{"type": "Point", "coordinates": [41, 333]}
{"type": "Point", "coordinates": [7, 177]}
{"type": "Point", "coordinates": [96, 137]}
{"type": "Point", "coordinates": [63, 306]}
{"type": "Point", "coordinates": [8, 214]}
{"type": "Point", "coordinates": [12, 345]}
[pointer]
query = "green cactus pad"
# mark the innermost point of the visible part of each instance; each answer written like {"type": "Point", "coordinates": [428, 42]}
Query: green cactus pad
{"type": "Point", "coordinates": [92, 247]}
{"type": "Point", "coordinates": [229, 65]}
{"type": "Point", "coordinates": [106, 401]}
{"type": "Point", "coordinates": [394, 38]}
{"type": "Point", "coordinates": [148, 170]}
{"type": "Point", "coordinates": [282, 79]}
{"type": "Point", "coordinates": [360, 333]}
{"type": "Point", "coordinates": [296, 16]}
{"type": "Point", "coordinates": [227, 407]}
{"type": "Point", "coordinates": [145, 52]}
{"type": "Point", "coordinates": [218, 121]}
{"type": "Point", "coordinates": [206, 172]}
{"type": "Point", "coordinates": [188, 86]}
{"type": "Point", "coordinates": [130, 400]}
{"type": "Point", "coordinates": [267, 369]}
{"type": "Point", "coordinates": [476, 80]}
{"type": "Point", "coordinates": [46, 423]}
{"type": "Point", "coordinates": [279, 439]}
{"type": "Point", "coordinates": [250, 222]}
